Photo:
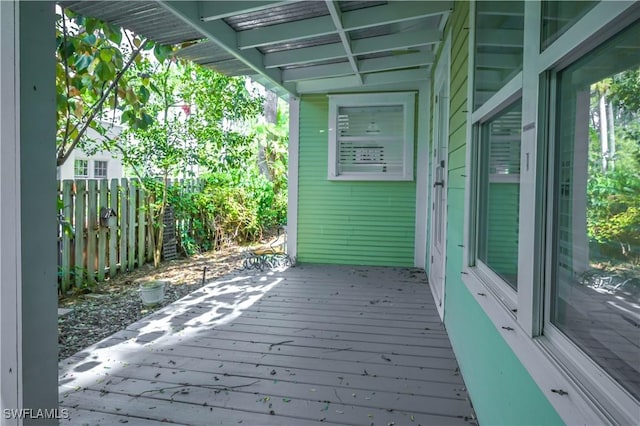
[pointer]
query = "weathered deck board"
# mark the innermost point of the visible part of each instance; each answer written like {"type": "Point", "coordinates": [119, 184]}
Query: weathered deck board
{"type": "Point", "coordinates": [329, 344]}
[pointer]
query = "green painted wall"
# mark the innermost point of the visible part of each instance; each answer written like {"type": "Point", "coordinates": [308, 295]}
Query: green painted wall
{"type": "Point", "coordinates": [502, 391]}
{"type": "Point", "coordinates": [346, 222]}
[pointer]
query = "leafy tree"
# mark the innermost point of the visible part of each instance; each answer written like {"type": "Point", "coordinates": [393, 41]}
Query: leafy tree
{"type": "Point", "coordinates": [613, 217]}
{"type": "Point", "coordinates": [92, 77]}
{"type": "Point", "coordinates": [192, 110]}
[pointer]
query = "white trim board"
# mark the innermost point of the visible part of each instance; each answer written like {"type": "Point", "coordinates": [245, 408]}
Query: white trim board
{"type": "Point", "coordinates": [292, 202]}
{"type": "Point", "coordinates": [10, 261]}
{"type": "Point", "coordinates": [442, 79]}
{"type": "Point", "coordinates": [422, 176]}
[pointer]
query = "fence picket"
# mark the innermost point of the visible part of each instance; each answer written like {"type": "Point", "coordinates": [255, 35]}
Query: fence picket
{"type": "Point", "coordinates": [102, 229]}
{"type": "Point", "coordinates": [79, 228]}
{"type": "Point", "coordinates": [119, 244]}
{"type": "Point", "coordinates": [124, 222]}
{"type": "Point", "coordinates": [131, 234]}
{"type": "Point", "coordinates": [92, 230]}
{"type": "Point", "coordinates": [65, 240]}
{"type": "Point", "coordinates": [113, 230]}
{"type": "Point", "coordinates": [141, 226]}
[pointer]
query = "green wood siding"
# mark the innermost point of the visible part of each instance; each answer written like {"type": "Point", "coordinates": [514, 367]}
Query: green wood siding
{"type": "Point", "coordinates": [502, 391]}
{"type": "Point", "coordinates": [345, 222]}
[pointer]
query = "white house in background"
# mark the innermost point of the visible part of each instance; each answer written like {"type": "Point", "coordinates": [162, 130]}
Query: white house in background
{"type": "Point", "coordinates": [100, 165]}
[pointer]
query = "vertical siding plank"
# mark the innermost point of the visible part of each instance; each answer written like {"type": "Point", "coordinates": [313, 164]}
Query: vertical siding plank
{"type": "Point", "coordinates": [124, 222]}
{"type": "Point", "coordinates": [113, 230]}
{"type": "Point", "coordinates": [102, 233]}
{"type": "Point", "coordinates": [79, 226]}
{"type": "Point", "coordinates": [67, 212]}
{"type": "Point", "coordinates": [131, 231]}
{"type": "Point", "coordinates": [141, 226]}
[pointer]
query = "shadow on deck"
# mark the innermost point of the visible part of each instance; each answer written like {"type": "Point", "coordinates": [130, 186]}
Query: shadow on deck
{"type": "Point", "coordinates": [315, 343]}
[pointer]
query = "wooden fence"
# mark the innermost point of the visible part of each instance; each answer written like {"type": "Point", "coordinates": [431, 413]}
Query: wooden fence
{"type": "Point", "coordinates": [108, 229]}
{"type": "Point", "coordinates": [107, 232]}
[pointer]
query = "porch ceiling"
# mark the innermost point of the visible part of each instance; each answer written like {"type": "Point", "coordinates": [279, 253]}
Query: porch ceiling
{"type": "Point", "coordinates": [293, 47]}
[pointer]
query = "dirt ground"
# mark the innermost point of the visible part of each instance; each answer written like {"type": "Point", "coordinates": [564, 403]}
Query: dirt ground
{"type": "Point", "coordinates": [115, 304]}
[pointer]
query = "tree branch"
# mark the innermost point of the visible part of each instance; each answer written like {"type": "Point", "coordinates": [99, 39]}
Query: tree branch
{"type": "Point", "coordinates": [99, 104]}
{"type": "Point", "coordinates": [217, 388]}
{"type": "Point", "coordinates": [66, 76]}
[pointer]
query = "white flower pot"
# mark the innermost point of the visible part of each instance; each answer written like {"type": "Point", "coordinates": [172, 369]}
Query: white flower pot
{"type": "Point", "coordinates": [152, 292]}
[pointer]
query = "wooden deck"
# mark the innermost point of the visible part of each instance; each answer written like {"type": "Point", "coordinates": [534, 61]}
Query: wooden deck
{"type": "Point", "coordinates": [313, 344]}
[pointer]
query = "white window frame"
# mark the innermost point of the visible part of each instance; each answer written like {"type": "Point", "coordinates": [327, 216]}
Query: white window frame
{"type": "Point", "coordinates": [106, 169]}
{"type": "Point", "coordinates": [75, 175]}
{"type": "Point", "coordinates": [554, 362]}
{"type": "Point", "coordinates": [504, 98]}
{"type": "Point", "coordinates": [407, 100]}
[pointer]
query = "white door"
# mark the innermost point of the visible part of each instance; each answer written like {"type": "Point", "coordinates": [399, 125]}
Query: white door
{"type": "Point", "coordinates": [439, 196]}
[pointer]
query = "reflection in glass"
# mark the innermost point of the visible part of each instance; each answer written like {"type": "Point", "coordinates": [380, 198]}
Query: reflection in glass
{"type": "Point", "coordinates": [499, 192]}
{"type": "Point", "coordinates": [499, 40]}
{"type": "Point", "coordinates": [559, 16]}
{"type": "Point", "coordinates": [596, 276]}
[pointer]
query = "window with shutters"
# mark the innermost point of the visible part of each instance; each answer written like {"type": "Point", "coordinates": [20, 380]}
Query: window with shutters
{"type": "Point", "coordinates": [371, 136]}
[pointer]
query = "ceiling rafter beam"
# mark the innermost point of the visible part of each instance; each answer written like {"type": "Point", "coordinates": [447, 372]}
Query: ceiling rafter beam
{"type": "Point", "coordinates": [352, 20]}
{"type": "Point", "coordinates": [212, 10]}
{"type": "Point", "coordinates": [304, 55]}
{"type": "Point", "coordinates": [388, 63]}
{"type": "Point", "coordinates": [394, 12]}
{"type": "Point", "coordinates": [327, 84]}
{"type": "Point", "coordinates": [352, 82]}
{"type": "Point", "coordinates": [336, 15]}
{"type": "Point", "coordinates": [397, 41]}
{"type": "Point", "coordinates": [318, 71]}
{"type": "Point", "coordinates": [223, 35]}
{"type": "Point", "coordinates": [283, 33]}
{"type": "Point", "coordinates": [396, 76]}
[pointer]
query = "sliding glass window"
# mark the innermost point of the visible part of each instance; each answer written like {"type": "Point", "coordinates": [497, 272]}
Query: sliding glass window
{"type": "Point", "coordinates": [595, 288]}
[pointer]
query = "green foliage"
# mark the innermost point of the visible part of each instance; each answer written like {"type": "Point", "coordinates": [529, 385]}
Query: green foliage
{"type": "Point", "coordinates": [625, 89]}
{"type": "Point", "coordinates": [93, 60]}
{"type": "Point", "coordinates": [614, 207]}
{"type": "Point", "coordinates": [180, 118]}
{"type": "Point", "coordinates": [223, 207]}
{"type": "Point", "coordinates": [203, 123]}
{"type": "Point", "coordinates": [613, 214]}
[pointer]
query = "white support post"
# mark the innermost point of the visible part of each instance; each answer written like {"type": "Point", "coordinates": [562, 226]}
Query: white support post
{"type": "Point", "coordinates": [10, 270]}
{"type": "Point", "coordinates": [38, 361]}
{"type": "Point", "coordinates": [292, 210]}
{"type": "Point", "coordinates": [422, 175]}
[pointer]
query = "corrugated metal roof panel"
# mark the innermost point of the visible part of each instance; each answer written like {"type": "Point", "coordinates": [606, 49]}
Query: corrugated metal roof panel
{"type": "Point", "coordinates": [146, 18]}
{"type": "Point", "coordinates": [346, 6]}
{"type": "Point", "coordinates": [231, 67]}
{"type": "Point", "coordinates": [204, 52]}
{"type": "Point", "coordinates": [299, 44]}
{"type": "Point", "coordinates": [291, 12]}
{"type": "Point", "coordinates": [389, 53]}
{"type": "Point", "coordinates": [313, 64]}
{"type": "Point", "coordinates": [430, 22]}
